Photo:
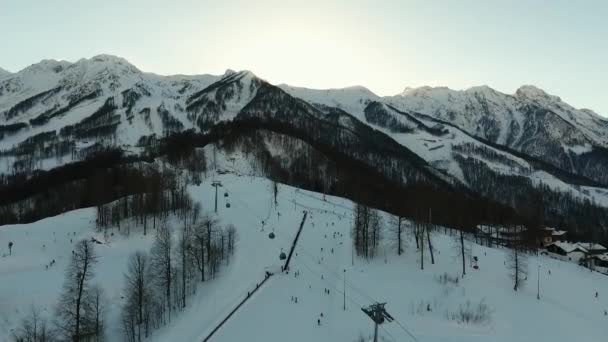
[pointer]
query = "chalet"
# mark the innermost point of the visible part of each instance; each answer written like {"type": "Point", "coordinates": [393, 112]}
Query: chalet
{"type": "Point", "coordinates": [548, 235]}
{"type": "Point", "coordinates": [598, 262]}
{"type": "Point", "coordinates": [594, 248]}
{"type": "Point", "coordinates": [567, 251]}
{"type": "Point", "coordinates": [502, 235]}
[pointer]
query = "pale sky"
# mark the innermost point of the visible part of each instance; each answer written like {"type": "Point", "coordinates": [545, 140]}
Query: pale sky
{"type": "Point", "coordinates": [558, 45]}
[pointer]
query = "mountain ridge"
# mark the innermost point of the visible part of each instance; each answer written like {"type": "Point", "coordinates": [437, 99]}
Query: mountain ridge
{"type": "Point", "coordinates": [480, 139]}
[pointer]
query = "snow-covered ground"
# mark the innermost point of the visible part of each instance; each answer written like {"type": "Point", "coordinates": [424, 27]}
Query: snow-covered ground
{"type": "Point", "coordinates": [567, 310]}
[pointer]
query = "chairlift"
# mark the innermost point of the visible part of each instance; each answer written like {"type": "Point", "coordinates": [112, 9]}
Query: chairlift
{"type": "Point", "coordinates": [227, 205]}
{"type": "Point", "coordinates": [225, 194]}
{"type": "Point", "coordinates": [271, 235]}
{"type": "Point", "coordinates": [282, 256]}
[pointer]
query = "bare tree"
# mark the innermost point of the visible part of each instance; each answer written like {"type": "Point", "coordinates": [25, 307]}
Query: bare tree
{"type": "Point", "coordinates": [74, 308]}
{"type": "Point", "coordinates": [397, 230]}
{"type": "Point", "coordinates": [137, 294]}
{"type": "Point", "coordinates": [201, 242]}
{"type": "Point", "coordinates": [275, 190]}
{"type": "Point", "coordinates": [184, 253]}
{"type": "Point", "coordinates": [376, 226]}
{"type": "Point", "coordinates": [33, 328]}
{"type": "Point", "coordinates": [516, 259]}
{"type": "Point", "coordinates": [429, 227]}
{"type": "Point", "coordinates": [419, 233]}
{"type": "Point", "coordinates": [367, 230]}
{"type": "Point", "coordinates": [98, 301]}
{"type": "Point", "coordinates": [462, 250]}
{"type": "Point", "coordinates": [162, 262]}
{"type": "Point", "coordinates": [231, 236]}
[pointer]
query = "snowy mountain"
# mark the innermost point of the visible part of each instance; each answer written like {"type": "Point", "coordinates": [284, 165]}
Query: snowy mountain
{"type": "Point", "coordinates": [527, 144]}
{"type": "Point", "coordinates": [101, 151]}
{"type": "Point", "coordinates": [529, 121]}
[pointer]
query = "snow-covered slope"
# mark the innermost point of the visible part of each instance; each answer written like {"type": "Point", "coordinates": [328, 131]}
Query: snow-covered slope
{"type": "Point", "coordinates": [322, 257]}
{"type": "Point", "coordinates": [352, 100]}
{"type": "Point", "coordinates": [441, 145]}
{"type": "Point", "coordinates": [502, 118]}
{"type": "Point", "coordinates": [51, 95]}
{"type": "Point", "coordinates": [529, 121]}
{"type": "Point", "coordinates": [416, 298]}
{"type": "Point", "coordinates": [55, 112]}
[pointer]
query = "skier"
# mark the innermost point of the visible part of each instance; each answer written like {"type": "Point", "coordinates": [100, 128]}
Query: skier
{"type": "Point", "coordinates": [318, 321]}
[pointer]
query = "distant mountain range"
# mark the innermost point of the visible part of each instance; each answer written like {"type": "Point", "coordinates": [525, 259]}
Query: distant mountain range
{"type": "Point", "coordinates": [497, 145]}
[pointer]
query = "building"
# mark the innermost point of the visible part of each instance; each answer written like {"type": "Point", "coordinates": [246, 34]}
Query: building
{"type": "Point", "coordinates": [567, 251]}
{"type": "Point", "coordinates": [547, 235]}
{"type": "Point", "coordinates": [594, 248]}
{"type": "Point", "coordinates": [598, 262]}
{"type": "Point", "coordinates": [501, 235]}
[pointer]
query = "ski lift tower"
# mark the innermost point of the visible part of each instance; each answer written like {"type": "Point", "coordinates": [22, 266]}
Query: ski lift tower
{"type": "Point", "coordinates": [378, 314]}
{"type": "Point", "coordinates": [215, 184]}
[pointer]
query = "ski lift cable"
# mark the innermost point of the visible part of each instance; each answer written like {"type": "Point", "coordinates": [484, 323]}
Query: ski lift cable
{"type": "Point", "coordinates": [319, 209]}
{"type": "Point", "coordinates": [388, 333]}
{"type": "Point", "coordinates": [337, 275]}
{"type": "Point", "coordinates": [353, 301]}
{"type": "Point", "coordinates": [235, 198]}
{"type": "Point", "coordinates": [405, 329]}
{"type": "Point", "coordinates": [356, 303]}
{"type": "Point", "coordinates": [334, 273]}
{"type": "Point", "coordinates": [333, 285]}
{"type": "Point", "coordinates": [319, 199]}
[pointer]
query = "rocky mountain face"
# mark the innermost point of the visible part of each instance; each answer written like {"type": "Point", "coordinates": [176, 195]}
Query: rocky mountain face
{"type": "Point", "coordinates": [530, 121]}
{"type": "Point", "coordinates": [509, 148]}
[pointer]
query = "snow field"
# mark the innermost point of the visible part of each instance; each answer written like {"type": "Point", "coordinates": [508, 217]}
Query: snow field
{"type": "Point", "coordinates": [567, 310]}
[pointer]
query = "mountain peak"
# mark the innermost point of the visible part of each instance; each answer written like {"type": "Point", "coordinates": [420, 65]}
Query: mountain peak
{"type": "Point", "coordinates": [424, 90]}
{"type": "Point", "coordinates": [109, 62]}
{"type": "Point", "coordinates": [481, 89]}
{"type": "Point", "coordinates": [241, 73]}
{"type": "Point", "coordinates": [46, 65]}
{"type": "Point", "coordinates": [109, 59]}
{"type": "Point", "coordinates": [228, 73]}
{"type": "Point", "coordinates": [533, 92]}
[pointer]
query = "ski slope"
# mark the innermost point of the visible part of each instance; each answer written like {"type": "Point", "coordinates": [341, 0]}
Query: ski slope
{"type": "Point", "coordinates": [272, 316]}
{"type": "Point", "coordinates": [567, 310]}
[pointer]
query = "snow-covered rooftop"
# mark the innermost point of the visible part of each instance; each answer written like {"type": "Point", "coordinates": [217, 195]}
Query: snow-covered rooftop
{"type": "Point", "coordinates": [569, 247]}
